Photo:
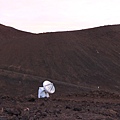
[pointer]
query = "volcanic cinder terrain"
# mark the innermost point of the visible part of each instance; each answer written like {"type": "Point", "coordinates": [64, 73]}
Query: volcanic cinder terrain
{"type": "Point", "coordinates": [84, 66]}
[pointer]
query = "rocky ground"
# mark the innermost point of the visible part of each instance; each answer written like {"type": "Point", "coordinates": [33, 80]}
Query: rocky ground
{"type": "Point", "coordinates": [96, 105]}
{"type": "Point", "coordinates": [18, 101]}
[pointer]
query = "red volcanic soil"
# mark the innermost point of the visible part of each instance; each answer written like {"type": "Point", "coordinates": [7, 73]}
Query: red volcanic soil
{"type": "Point", "coordinates": [77, 62]}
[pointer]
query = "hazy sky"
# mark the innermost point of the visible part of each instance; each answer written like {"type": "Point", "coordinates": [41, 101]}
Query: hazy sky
{"type": "Point", "coordinates": [58, 15]}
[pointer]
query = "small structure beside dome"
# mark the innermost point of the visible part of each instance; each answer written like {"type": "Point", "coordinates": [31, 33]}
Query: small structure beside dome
{"type": "Point", "coordinates": [48, 88]}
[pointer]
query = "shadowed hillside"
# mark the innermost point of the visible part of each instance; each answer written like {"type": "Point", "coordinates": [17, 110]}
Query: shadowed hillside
{"type": "Point", "coordinates": [87, 57]}
{"type": "Point", "coordinates": [83, 65]}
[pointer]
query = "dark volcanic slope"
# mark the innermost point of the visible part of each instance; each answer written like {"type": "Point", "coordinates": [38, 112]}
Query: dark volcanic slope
{"type": "Point", "coordinates": [87, 57]}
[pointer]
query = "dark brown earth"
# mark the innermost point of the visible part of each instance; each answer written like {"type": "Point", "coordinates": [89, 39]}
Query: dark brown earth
{"type": "Point", "coordinates": [77, 62]}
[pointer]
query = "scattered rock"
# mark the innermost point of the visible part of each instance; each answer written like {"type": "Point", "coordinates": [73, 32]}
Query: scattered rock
{"type": "Point", "coordinates": [42, 104]}
{"type": "Point", "coordinates": [67, 107]}
{"type": "Point", "coordinates": [12, 111]}
{"type": "Point", "coordinates": [3, 118]}
{"type": "Point", "coordinates": [30, 98]}
{"type": "Point", "coordinates": [43, 115]}
{"type": "Point", "coordinates": [77, 109]}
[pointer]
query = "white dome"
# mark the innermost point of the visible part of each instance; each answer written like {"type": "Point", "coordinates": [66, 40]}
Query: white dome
{"type": "Point", "coordinates": [48, 86]}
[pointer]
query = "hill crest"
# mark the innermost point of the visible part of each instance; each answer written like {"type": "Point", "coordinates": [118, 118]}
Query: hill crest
{"type": "Point", "coordinates": [84, 57]}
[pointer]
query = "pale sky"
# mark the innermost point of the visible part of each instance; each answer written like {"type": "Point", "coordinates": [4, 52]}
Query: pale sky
{"type": "Point", "coordinates": [39, 16]}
